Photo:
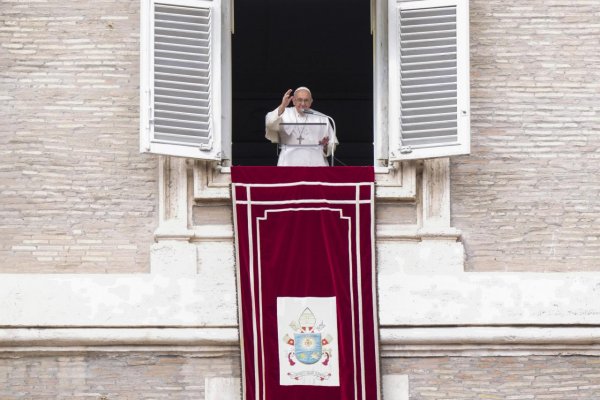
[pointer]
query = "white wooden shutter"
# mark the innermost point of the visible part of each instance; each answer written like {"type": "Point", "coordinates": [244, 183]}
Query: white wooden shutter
{"type": "Point", "coordinates": [429, 79]}
{"type": "Point", "coordinates": [180, 78]}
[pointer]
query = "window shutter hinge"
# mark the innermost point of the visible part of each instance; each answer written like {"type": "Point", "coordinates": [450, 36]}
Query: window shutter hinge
{"type": "Point", "coordinates": [206, 146]}
{"type": "Point", "coordinates": [406, 150]}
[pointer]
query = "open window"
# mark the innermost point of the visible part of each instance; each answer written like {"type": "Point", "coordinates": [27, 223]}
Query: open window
{"type": "Point", "coordinates": [283, 44]}
{"type": "Point", "coordinates": [415, 105]}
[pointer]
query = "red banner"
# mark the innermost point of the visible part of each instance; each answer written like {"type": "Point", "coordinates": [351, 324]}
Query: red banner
{"type": "Point", "coordinates": [306, 282]}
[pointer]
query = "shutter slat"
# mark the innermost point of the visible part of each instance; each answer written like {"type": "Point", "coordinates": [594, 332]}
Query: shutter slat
{"type": "Point", "coordinates": [181, 55]}
{"type": "Point", "coordinates": [429, 57]}
{"type": "Point", "coordinates": [429, 13]}
{"type": "Point", "coordinates": [408, 22]}
{"type": "Point", "coordinates": [179, 93]}
{"type": "Point", "coordinates": [171, 138]}
{"type": "Point", "coordinates": [166, 129]}
{"type": "Point", "coordinates": [174, 101]}
{"type": "Point", "coordinates": [172, 9]}
{"type": "Point", "coordinates": [183, 64]}
{"type": "Point", "coordinates": [438, 94]}
{"type": "Point", "coordinates": [450, 101]}
{"type": "Point", "coordinates": [184, 86]}
{"type": "Point", "coordinates": [428, 66]}
{"type": "Point", "coordinates": [418, 36]}
{"type": "Point", "coordinates": [169, 76]}
{"type": "Point", "coordinates": [430, 117]}
{"type": "Point", "coordinates": [190, 19]}
{"type": "Point", "coordinates": [428, 50]}
{"type": "Point", "coordinates": [431, 133]}
{"type": "Point", "coordinates": [428, 126]}
{"type": "Point", "coordinates": [448, 140]}
{"type": "Point", "coordinates": [178, 115]}
{"type": "Point", "coordinates": [428, 111]}
{"type": "Point", "coordinates": [429, 72]}
{"type": "Point", "coordinates": [177, 31]}
{"type": "Point", "coordinates": [180, 124]}
{"type": "Point", "coordinates": [180, 71]}
{"type": "Point", "coordinates": [176, 47]}
{"type": "Point", "coordinates": [423, 44]}
{"type": "Point", "coordinates": [447, 25]}
{"type": "Point", "coordinates": [177, 107]}
{"type": "Point", "coordinates": [428, 80]}
{"type": "Point", "coordinates": [189, 41]}
{"type": "Point", "coordinates": [430, 88]}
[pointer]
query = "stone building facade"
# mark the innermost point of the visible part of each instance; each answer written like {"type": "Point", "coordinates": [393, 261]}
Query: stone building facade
{"type": "Point", "coordinates": [117, 273]}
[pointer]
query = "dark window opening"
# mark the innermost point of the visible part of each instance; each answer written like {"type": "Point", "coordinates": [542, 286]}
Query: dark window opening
{"type": "Point", "coordinates": [325, 45]}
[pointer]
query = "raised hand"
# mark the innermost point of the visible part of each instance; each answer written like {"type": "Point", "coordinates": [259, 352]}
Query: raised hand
{"type": "Point", "coordinates": [285, 101]}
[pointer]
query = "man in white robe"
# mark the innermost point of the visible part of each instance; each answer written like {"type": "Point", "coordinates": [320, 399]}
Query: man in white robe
{"type": "Point", "coordinates": [304, 139]}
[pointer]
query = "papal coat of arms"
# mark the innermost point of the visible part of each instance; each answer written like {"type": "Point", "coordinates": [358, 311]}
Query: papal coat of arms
{"type": "Point", "coordinates": [308, 346]}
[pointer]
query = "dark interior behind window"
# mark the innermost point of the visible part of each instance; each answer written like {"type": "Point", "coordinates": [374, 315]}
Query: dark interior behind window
{"type": "Point", "coordinates": [282, 44]}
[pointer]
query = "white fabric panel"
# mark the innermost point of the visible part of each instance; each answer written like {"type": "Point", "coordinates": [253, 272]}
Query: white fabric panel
{"type": "Point", "coordinates": [308, 341]}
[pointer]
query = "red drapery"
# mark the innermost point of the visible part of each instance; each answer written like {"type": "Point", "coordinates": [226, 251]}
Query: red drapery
{"type": "Point", "coordinates": [306, 282]}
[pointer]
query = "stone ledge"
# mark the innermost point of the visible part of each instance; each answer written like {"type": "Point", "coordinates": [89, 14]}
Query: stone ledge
{"type": "Point", "coordinates": [395, 341]}
{"type": "Point", "coordinates": [502, 341]}
{"type": "Point", "coordinates": [215, 340]}
{"type": "Point", "coordinates": [384, 232]}
{"type": "Point", "coordinates": [389, 232]}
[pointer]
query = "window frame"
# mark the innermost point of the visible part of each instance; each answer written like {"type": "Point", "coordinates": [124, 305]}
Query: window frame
{"type": "Point", "coordinates": [386, 115]}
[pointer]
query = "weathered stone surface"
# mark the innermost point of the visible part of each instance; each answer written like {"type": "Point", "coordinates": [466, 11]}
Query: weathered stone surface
{"type": "Point", "coordinates": [131, 376]}
{"type": "Point", "coordinates": [528, 196]}
{"type": "Point", "coordinates": [75, 194]}
{"type": "Point", "coordinates": [501, 378]}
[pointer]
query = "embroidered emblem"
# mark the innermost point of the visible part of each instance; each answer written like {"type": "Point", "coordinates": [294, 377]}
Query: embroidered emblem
{"type": "Point", "coordinates": [308, 341]}
{"type": "Point", "coordinates": [309, 345]}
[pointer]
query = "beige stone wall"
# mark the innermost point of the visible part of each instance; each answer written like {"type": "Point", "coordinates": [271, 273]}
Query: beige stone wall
{"type": "Point", "coordinates": [136, 376]}
{"type": "Point", "coordinates": [110, 376]}
{"type": "Point", "coordinates": [75, 194]}
{"type": "Point", "coordinates": [499, 378]}
{"type": "Point", "coordinates": [528, 196]}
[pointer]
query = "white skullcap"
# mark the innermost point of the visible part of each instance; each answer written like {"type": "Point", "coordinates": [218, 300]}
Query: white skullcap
{"type": "Point", "coordinates": [303, 88]}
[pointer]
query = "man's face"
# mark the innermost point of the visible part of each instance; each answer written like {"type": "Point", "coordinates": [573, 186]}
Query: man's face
{"type": "Point", "coordinates": [302, 100]}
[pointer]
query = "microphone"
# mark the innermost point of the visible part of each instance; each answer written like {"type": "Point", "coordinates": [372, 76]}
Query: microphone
{"type": "Point", "coordinates": [311, 111]}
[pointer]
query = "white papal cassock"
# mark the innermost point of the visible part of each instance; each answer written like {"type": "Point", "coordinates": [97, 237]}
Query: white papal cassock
{"type": "Point", "coordinates": [299, 143]}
